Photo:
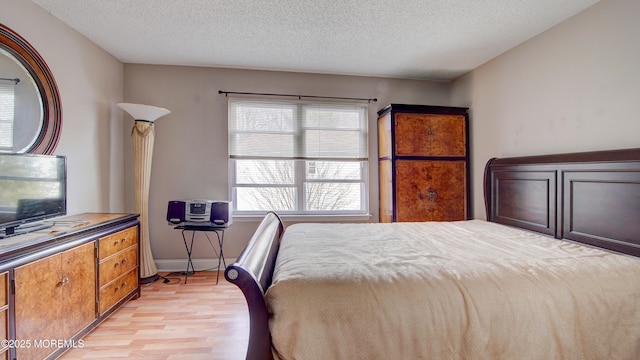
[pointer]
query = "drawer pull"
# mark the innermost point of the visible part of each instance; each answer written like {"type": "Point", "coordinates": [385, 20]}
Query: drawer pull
{"type": "Point", "coordinates": [124, 283]}
{"type": "Point", "coordinates": [64, 281]}
{"type": "Point", "coordinates": [121, 262]}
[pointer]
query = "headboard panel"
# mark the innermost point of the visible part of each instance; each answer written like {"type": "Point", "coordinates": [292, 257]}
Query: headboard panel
{"type": "Point", "coordinates": [591, 197]}
{"type": "Point", "coordinates": [602, 208]}
{"type": "Point", "coordinates": [525, 198]}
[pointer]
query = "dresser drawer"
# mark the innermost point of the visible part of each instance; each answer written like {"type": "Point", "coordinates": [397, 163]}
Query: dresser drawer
{"type": "Point", "coordinates": [118, 289]}
{"type": "Point", "coordinates": [117, 242]}
{"type": "Point", "coordinates": [118, 264]}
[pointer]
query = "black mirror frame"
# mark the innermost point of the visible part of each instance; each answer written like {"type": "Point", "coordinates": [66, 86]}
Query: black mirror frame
{"type": "Point", "coordinates": [47, 139]}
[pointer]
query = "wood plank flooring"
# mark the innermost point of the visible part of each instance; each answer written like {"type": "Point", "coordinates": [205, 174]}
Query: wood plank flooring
{"type": "Point", "coordinates": [197, 320]}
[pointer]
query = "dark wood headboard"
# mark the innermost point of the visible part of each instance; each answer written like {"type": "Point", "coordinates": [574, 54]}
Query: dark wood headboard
{"type": "Point", "coordinates": [591, 197]}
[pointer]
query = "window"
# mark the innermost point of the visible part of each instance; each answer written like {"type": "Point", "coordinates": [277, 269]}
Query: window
{"type": "Point", "coordinates": [298, 157]}
{"type": "Point", "coordinates": [7, 104]}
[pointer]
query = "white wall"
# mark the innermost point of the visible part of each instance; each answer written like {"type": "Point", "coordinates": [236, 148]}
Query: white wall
{"type": "Point", "coordinates": [575, 87]}
{"type": "Point", "coordinates": [90, 82]}
{"type": "Point", "coordinates": [191, 157]}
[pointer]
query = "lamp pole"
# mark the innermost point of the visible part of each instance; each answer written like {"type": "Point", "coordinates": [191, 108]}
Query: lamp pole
{"type": "Point", "coordinates": [143, 135]}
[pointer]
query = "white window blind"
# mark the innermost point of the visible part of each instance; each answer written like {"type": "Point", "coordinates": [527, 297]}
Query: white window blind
{"type": "Point", "coordinates": [298, 157]}
{"type": "Point", "coordinates": [297, 130]}
{"type": "Point", "coordinates": [7, 106]}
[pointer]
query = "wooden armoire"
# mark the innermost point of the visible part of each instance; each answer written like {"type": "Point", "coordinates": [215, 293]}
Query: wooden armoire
{"type": "Point", "coordinates": [423, 158]}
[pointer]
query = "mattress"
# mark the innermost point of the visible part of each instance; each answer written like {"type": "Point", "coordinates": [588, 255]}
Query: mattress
{"type": "Point", "coordinates": [449, 290]}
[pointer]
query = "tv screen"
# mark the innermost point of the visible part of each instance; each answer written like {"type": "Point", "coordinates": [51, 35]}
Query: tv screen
{"type": "Point", "coordinates": [32, 188]}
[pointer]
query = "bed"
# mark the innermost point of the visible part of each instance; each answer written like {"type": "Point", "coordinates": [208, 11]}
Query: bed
{"type": "Point", "coordinates": [553, 273]}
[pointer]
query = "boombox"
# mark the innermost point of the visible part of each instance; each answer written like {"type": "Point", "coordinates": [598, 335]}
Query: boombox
{"type": "Point", "coordinates": [215, 212]}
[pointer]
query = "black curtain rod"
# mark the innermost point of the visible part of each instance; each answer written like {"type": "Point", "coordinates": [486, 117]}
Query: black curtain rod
{"type": "Point", "coordinates": [226, 93]}
{"type": "Point", "coordinates": [15, 80]}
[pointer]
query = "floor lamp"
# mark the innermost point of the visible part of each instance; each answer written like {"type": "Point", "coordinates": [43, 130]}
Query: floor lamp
{"type": "Point", "coordinates": [143, 134]}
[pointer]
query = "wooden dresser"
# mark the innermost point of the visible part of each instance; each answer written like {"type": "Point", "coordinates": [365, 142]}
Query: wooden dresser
{"type": "Point", "coordinates": [61, 282]}
{"type": "Point", "coordinates": [4, 314]}
{"type": "Point", "coordinates": [423, 159]}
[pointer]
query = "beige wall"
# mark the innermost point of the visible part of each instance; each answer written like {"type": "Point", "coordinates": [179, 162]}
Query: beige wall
{"type": "Point", "coordinates": [572, 88]}
{"type": "Point", "coordinates": [90, 82]}
{"type": "Point", "coordinates": [191, 156]}
{"type": "Point", "coordinates": [575, 87]}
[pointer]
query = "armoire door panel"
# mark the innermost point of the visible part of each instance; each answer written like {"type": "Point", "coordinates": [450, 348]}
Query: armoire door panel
{"type": "Point", "coordinates": [430, 135]}
{"type": "Point", "coordinates": [448, 178]}
{"type": "Point", "coordinates": [412, 135]}
{"type": "Point", "coordinates": [413, 191]}
{"type": "Point", "coordinates": [448, 137]}
{"type": "Point", "coordinates": [429, 190]}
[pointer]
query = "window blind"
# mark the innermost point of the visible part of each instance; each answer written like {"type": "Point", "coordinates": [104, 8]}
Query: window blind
{"type": "Point", "coordinates": [297, 130]}
{"type": "Point", "coordinates": [7, 106]}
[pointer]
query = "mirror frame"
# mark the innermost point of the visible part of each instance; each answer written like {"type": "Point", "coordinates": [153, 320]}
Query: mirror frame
{"type": "Point", "coordinates": [47, 139]}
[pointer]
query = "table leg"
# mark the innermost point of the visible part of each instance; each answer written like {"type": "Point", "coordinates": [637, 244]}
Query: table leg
{"type": "Point", "coordinates": [189, 250]}
{"type": "Point", "coordinates": [220, 235]}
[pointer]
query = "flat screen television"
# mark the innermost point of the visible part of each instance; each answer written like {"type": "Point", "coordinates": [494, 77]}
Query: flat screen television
{"type": "Point", "coordinates": [33, 188]}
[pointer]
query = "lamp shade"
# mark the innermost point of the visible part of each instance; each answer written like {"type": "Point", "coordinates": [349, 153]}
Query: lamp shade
{"type": "Point", "coordinates": [144, 112]}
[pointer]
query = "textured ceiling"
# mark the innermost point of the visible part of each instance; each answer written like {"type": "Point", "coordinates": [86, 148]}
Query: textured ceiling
{"type": "Point", "coordinates": [418, 39]}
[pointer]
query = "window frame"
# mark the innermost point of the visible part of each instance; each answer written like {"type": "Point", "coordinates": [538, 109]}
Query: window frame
{"type": "Point", "coordinates": [300, 177]}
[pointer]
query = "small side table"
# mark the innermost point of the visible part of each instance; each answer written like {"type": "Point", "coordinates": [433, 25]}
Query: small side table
{"type": "Point", "coordinates": [205, 229]}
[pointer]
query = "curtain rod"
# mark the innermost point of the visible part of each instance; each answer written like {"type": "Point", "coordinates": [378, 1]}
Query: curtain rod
{"type": "Point", "coordinates": [15, 80]}
{"type": "Point", "coordinates": [226, 93]}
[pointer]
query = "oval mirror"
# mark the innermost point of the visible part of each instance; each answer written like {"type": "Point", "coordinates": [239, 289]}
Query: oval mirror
{"type": "Point", "coordinates": [30, 110]}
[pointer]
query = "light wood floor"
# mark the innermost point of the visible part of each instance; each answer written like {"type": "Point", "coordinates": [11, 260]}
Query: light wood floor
{"type": "Point", "coordinates": [197, 320]}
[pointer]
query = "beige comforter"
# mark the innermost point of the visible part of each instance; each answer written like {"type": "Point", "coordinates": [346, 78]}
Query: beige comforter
{"type": "Point", "coordinates": [460, 290]}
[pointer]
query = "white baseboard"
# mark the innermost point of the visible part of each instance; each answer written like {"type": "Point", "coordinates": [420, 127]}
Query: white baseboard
{"type": "Point", "coordinates": [170, 265]}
